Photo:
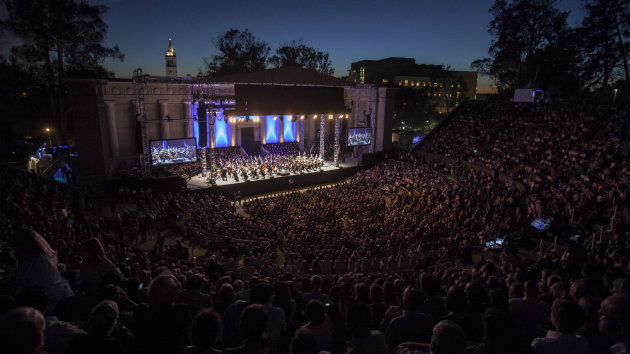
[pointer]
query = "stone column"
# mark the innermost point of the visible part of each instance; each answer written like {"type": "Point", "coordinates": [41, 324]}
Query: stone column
{"type": "Point", "coordinates": [233, 129]}
{"type": "Point", "coordinates": [263, 129]}
{"type": "Point", "coordinates": [165, 124]}
{"type": "Point", "coordinates": [257, 130]}
{"type": "Point", "coordinates": [322, 133]}
{"type": "Point", "coordinates": [337, 128]}
{"type": "Point", "coordinates": [111, 123]}
{"type": "Point", "coordinates": [300, 133]}
{"type": "Point", "coordinates": [280, 128]}
{"type": "Point", "coordinates": [373, 114]}
{"type": "Point", "coordinates": [188, 121]}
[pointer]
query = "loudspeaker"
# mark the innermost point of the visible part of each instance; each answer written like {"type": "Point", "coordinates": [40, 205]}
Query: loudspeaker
{"type": "Point", "coordinates": [202, 117]}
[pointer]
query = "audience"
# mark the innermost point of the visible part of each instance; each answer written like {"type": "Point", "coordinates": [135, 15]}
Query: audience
{"type": "Point", "coordinates": [205, 330]}
{"type": "Point", "coordinates": [399, 247]}
{"type": "Point", "coordinates": [22, 331]}
{"type": "Point", "coordinates": [567, 317]}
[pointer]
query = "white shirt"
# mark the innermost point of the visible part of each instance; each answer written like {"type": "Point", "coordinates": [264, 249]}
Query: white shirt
{"type": "Point", "coordinates": [620, 348]}
{"type": "Point", "coordinates": [560, 343]}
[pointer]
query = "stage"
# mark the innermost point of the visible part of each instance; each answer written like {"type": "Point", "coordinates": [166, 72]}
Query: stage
{"type": "Point", "coordinates": [328, 174]}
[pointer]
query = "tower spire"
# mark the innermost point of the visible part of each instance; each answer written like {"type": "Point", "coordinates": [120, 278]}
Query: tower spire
{"type": "Point", "coordinates": [171, 60]}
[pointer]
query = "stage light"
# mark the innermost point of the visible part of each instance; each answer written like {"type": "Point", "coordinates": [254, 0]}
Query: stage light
{"type": "Point", "coordinates": [315, 116]}
{"type": "Point", "coordinates": [330, 116]}
{"type": "Point", "coordinates": [302, 117]}
{"type": "Point", "coordinates": [274, 117]}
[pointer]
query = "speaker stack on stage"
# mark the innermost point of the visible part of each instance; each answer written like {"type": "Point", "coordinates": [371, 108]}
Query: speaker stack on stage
{"type": "Point", "coordinates": [202, 115]}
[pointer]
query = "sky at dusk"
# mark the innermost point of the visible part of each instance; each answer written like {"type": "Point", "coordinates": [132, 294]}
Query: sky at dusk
{"type": "Point", "coordinates": [449, 32]}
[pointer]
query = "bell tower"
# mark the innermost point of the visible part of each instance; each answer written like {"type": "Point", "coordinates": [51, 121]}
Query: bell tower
{"type": "Point", "coordinates": [171, 60]}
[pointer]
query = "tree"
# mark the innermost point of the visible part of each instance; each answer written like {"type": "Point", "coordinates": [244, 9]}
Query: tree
{"type": "Point", "coordinates": [297, 54]}
{"type": "Point", "coordinates": [530, 37]}
{"type": "Point", "coordinates": [56, 34]}
{"type": "Point", "coordinates": [239, 52]}
{"type": "Point", "coordinates": [605, 32]}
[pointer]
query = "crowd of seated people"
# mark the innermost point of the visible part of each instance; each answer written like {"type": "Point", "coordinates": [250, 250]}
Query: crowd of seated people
{"type": "Point", "coordinates": [68, 288]}
{"type": "Point", "coordinates": [185, 170]}
{"type": "Point", "coordinates": [573, 158]}
{"type": "Point", "coordinates": [227, 154]}
{"type": "Point", "coordinates": [284, 149]}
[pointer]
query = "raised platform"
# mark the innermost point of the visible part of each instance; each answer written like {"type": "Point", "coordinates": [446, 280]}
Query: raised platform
{"type": "Point", "coordinates": [328, 174]}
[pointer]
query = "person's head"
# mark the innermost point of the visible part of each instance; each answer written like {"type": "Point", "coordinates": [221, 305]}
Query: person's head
{"type": "Point", "coordinates": [92, 251]}
{"type": "Point", "coordinates": [358, 319]}
{"type": "Point", "coordinates": [226, 293]}
{"type": "Point", "coordinates": [27, 243]}
{"type": "Point", "coordinates": [22, 331]}
{"type": "Point", "coordinates": [103, 318]}
{"type": "Point", "coordinates": [558, 290]}
{"type": "Point", "coordinates": [262, 293]}
{"type": "Point", "coordinates": [516, 290]}
{"type": "Point", "coordinates": [205, 329]}
{"type": "Point", "coordinates": [413, 299]}
{"type": "Point", "coordinates": [362, 293]}
{"type": "Point", "coordinates": [531, 288]}
{"type": "Point", "coordinates": [621, 286]}
{"type": "Point", "coordinates": [448, 338]}
{"type": "Point", "coordinates": [303, 342]}
{"type": "Point", "coordinates": [316, 282]}
{"type": "Point", "coordinates": [164, 290]}
{"type": "Point", "coordinates": [614, 319]}
{"type": "Point", "coordinates": [253, 323]}
{"type": "Point", "coordinates": [582, 287]}
{"type": "Point", "coordinates": [591, 318]}
{"type": "Point", "coordinates": [566, 316]}
{"type": "Point", "coordinates": [195, 282]}
{"type": "Point", "coordinates": [315, 312]}
{"type": "Point", "coordinates": [455, 300]}
{"type": "Point", "coordinates": [430, 285]}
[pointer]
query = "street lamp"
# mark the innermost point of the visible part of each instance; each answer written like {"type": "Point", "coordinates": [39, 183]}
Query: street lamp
{"type": "Point", "coordinates": [615, 95]}
{"type": "Point", "coordinates": [49, 138]}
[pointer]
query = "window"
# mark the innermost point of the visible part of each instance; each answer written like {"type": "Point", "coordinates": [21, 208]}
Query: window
{"type": "Point", "coordinates": [406, 82]}
{"type": "Point", "coordinates": [362, 75]}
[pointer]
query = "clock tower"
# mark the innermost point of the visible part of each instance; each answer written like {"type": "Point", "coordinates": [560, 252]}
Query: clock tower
{"type": "Point", "coordinates": [171, 60]}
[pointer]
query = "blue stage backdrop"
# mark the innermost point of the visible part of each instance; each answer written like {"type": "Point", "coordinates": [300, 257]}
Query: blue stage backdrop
{"type": "Point", "coordinates": [272, 134]}
{"type": "Point", "coordinates": [221, 131]}
{"type": "Point", "coordinates": [288, 131]}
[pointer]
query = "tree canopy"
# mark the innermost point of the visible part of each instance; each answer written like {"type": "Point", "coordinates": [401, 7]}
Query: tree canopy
{"type": "Point", "coordinates": [532, 44]}
{"type": "Point", "coordinates": [241, 51]}
{"type": "Point", "coordinates": [58, 36]}
{"type": "Point", "coordinates": [297, 54]}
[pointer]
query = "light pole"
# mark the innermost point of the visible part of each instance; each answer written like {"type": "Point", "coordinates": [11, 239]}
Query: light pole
{"type": "Point", "coordinates": [615, 95]}
{"type": "Point", "coordinates": [49, 138]}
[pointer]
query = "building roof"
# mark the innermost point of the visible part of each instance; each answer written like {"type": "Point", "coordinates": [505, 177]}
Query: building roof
{"type": "Point", "coordinates": [284, 76]}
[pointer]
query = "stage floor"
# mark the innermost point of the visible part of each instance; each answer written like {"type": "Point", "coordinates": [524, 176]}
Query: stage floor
{"type": "Point", "coordinates": [199, 182]}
